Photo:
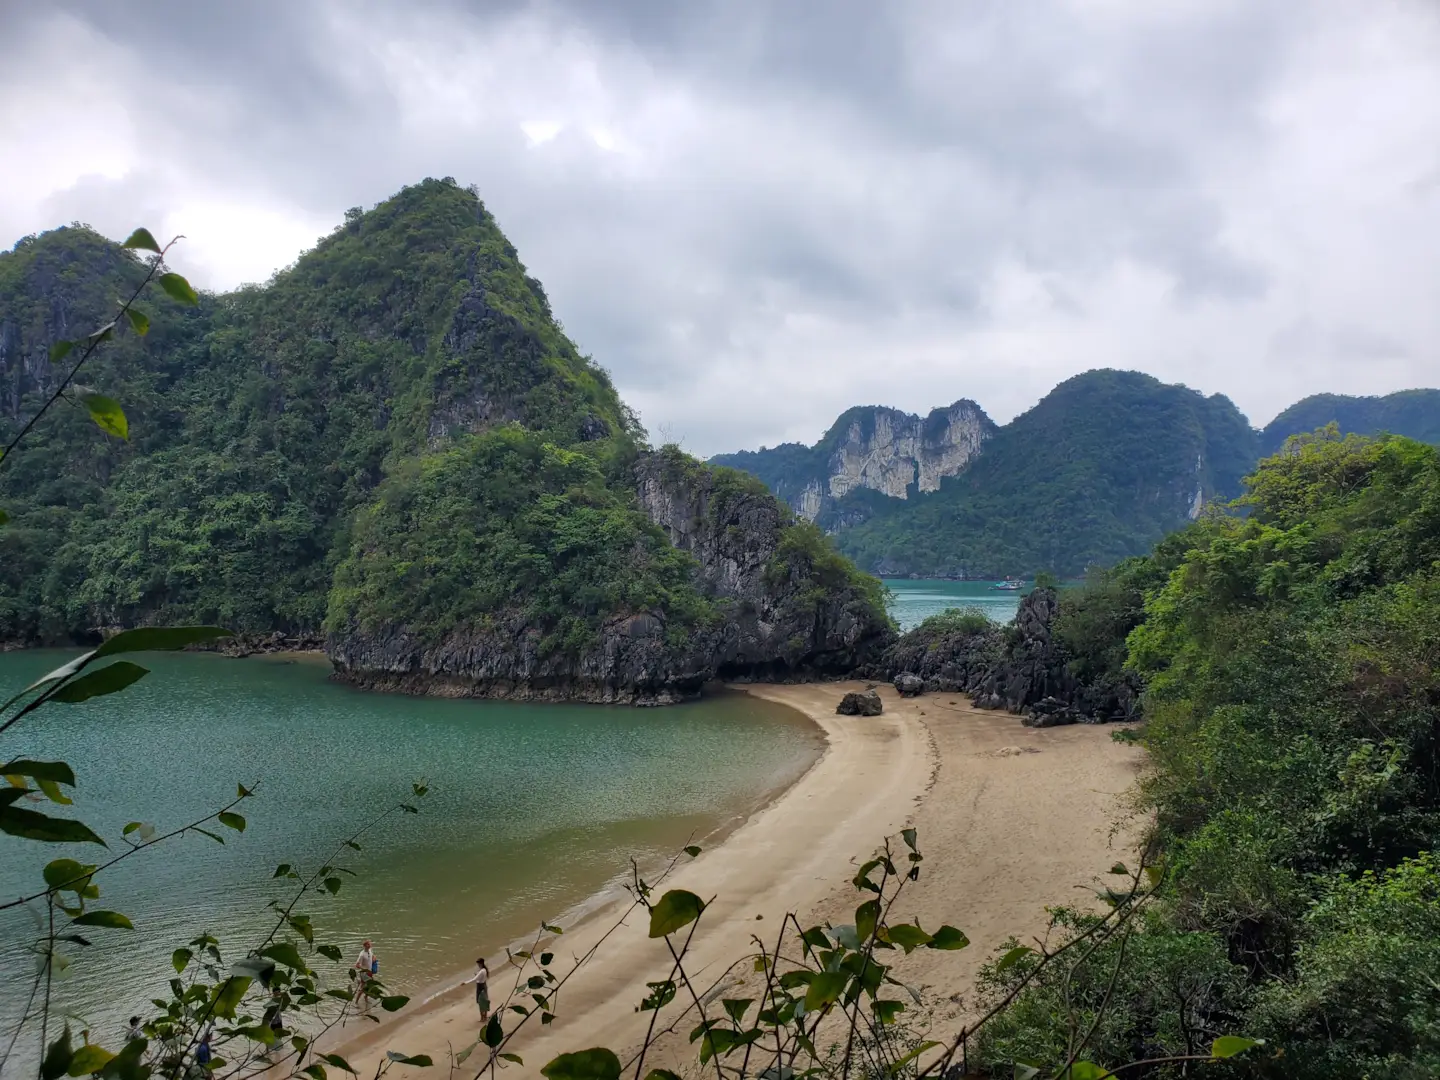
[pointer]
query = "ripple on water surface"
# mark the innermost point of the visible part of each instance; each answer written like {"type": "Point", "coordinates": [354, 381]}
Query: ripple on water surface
{"type": "Point", "coordinates": [531, 808]}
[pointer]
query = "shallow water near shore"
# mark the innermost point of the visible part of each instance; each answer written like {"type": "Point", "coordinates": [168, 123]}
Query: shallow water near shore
{"type": "Point", "coordinates": [532, 808]}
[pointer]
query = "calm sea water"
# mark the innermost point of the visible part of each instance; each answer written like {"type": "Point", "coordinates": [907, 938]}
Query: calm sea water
{"type": "Point", "coordinates": [531, 809]}
{"type": "Point", "coordinates": [915, 601]}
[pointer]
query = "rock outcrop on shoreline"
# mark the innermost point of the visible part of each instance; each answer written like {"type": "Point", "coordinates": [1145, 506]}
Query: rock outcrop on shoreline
{"type": "Point", "coordinates": [783, 607]}
{"type": "Point", "coordinates": [1021, 667]}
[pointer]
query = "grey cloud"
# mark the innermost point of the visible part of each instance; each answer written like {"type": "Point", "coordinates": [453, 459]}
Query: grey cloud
{"type": "Point", "coordinates": [821, 196]}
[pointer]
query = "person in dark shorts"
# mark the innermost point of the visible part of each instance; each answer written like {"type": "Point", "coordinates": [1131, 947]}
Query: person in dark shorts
{"type": "Point", "coordinates": [481, 979]}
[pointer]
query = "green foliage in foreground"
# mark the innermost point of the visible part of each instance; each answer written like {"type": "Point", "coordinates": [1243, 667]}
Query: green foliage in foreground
{"type": "Point", "coordinates": [1293, 707]}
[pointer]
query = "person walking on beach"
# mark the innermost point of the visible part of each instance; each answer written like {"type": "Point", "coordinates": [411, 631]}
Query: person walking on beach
{"type": "Point", "coordinates": [481, 979]}
{"type": "Point", "coordinates": [366, 966]}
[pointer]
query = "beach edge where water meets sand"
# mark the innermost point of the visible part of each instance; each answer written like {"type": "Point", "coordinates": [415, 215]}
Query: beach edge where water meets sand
{"type": "Point", "coordinates": [1011, 820]}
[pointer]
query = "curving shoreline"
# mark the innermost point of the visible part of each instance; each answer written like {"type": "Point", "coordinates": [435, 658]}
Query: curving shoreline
{"type": "Point", "coordinates": [1010, 819]}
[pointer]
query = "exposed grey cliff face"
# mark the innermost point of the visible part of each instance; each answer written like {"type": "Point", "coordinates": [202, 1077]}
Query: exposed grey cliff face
{"type": "Point", "coordinates": [794, 608]}
{"type": "Point", "coordinates": [888, 450]}
{"type": "Point", "coordinates": [869, 449]}
{"type": "Point", "coordinates": [786, 610]}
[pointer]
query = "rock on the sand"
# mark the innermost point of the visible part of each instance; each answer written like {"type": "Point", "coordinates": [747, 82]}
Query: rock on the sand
{"type": "Point", "coordinates": [909, 684]}
{"type": "Point", "coordinates": [860, 703]}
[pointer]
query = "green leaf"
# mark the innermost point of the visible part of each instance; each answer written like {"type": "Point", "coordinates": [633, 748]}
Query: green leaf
{"type": "Point", "coordinates": [66, 873]}
{"type": "Point", "coordinates": [1230, 1045]}
{"type": "Point", "coordinates": [177, 288]}
{"type": "Point", "coordinates": [676, 908]}
{"type": "Point", "coordinates": [102, 681]}
{"type": "Point", "coordinates": [516, 1058]}
{"type": "Point", "coordinates": [338, 1061]}
{"type": "Point", "coordinates": [692, 850]}
{"type": "Point", "coordinates": [886, 1011]}
{"type": "Point", "coordinates": [207, 832]}
{"type": "Point", "coordinates": [53, 793]}
{"type": "Point", "coordinates": [394, 1003]}
{"type": "Point", "coordinates": [1121, 869]}
{"type": "Point", "coordinates": [908, 835]}
{"type": "Point", "coordinates": [597, 1063]}
{"type": "Point", "coordinates": [948, 938]}
{"type": "Point", "coordinates": [107, 413]}
{"type": "Point", "coordinates": [4, 517]}
{"type": "Point", "coordinates": [815, 938]}
{"type": "Point", "coordinates": [1026, 1072]}
{"type": "Point", "coordinates": [735, 1007]}
{"type": "Point", "coordinates": [112, 919]}
{"type": "Point", "coordinates": [549, 929]}
{"type": "Point", "coordinates": [1085, 1070]}
{"type": "Point", "coordinates": [283, 870]}
{"type": "Point", "coordinates": [846, 936]}
{"type": "Point", "coordinates": [60, 350]}
{"type": "Point", "coordinates": [228, 994]}
{"type": "Point", "coordinates": [315, 1072]}
{"type": "Point", "coordinates": [180, 958]}
{"type": "Point", "coordinates": [139, 321]}
{"type": "Point", "coordinates": [332, 951]}
{"type": "Point", "coordinates": [283, 952]}
{"type": "Point", "coordinates": [422, 1060]}
{"type": "Point", "coordinates": [661, 1074]}
{"type": "Point", "coordinates": [105, 333]}
{"type": "Point", "coordinates": [908, 936]}
{"type": "Point", "coordinates": [32, 825]}
{"type": "Point", "coordinates": [1013, 957]}
{"type": "Point", "coordinates": [231, 820]}
{"type": "Point", "coordinates": [142, 240]}
{"type": "Point", "coordinates": [866, 917]}
{"type": "Point", "coordinates": [332, 884]}
{"type": "Point", "coordinates": [159, 639]}
{"type": "Point", "coordinates": [89, 1059]}
{"type": "Point", "coordinates": [825, 989]}
{"type": "Point", "coordinates": [545, 958]}
{"type": "Point", "coordinates": [914, 1053]}
{"type": "Point", "coordinates": [127, 1064]}
{"type": "Point", "coordinates": [493, 1034]}
{"type": "Point", "coordinates": [57, 1057]}
{"type": "Point", "coordinates": [57, 771]}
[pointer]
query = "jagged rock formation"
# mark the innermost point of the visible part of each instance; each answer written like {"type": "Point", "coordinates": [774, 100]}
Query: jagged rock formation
{"type": "Point", "coordinates": [1021, 667]}
{"type": "Point", "coordinates": [869, 450]}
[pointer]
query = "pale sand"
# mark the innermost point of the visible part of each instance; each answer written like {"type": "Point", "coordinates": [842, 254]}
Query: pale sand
{"type": "Point", "coordinates": [1005, 832]}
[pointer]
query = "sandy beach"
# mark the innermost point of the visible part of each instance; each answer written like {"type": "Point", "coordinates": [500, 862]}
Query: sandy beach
{"type": "Point", "coordinates": [1011, 819]}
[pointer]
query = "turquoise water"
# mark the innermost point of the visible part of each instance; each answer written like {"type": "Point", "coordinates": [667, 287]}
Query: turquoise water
{"type": "Point", "coordinates": [915, 601]}
{"type": "Point", "coordinates": [531, 809]}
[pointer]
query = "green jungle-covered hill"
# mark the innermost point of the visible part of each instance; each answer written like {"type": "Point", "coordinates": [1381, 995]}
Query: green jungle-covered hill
{"type": "Point", "coordinates": [391, 444]}
{"type": "Point", "coordinates": [1106, 464]}
{"type": "Point", "coordinates": [1412, 413]}
{"type": "Point", "coordinates": [1099, 470]}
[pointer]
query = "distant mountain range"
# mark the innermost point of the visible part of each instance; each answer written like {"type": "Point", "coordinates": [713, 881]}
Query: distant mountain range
{"type": "Point", "coordinates": [1106, 464]}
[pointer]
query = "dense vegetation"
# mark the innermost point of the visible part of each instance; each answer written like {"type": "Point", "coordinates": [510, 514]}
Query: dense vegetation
{"type": "Point", "coordinates": [1099, 470]}
{"type": "Point", "coordinates": [1412, 413]}
{"type": "Point", "coordinates": [1290, 658]}
{"type": "Point", "coordinates": [393, 431]}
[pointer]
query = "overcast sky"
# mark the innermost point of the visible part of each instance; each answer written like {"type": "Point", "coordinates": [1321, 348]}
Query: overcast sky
{"type": "Point", "coordinates": [756, 215]}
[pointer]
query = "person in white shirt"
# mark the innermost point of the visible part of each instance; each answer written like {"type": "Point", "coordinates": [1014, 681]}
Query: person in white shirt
{"type": "Point", "coordinates": [481, 979]}
{"type": "Point", "coordinates": [365, 966]}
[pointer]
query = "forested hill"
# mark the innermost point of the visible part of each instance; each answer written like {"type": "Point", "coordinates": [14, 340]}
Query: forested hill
{"type": "Point", "coordinates": [1100, 469]}
{"type": "Point", "coordinates": [1412, 413]}
{"type": "Point", "coordinates": [391, 442]}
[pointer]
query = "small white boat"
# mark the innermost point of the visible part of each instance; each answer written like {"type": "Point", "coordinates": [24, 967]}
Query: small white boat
{"type": "Point", "coordinates": [1008, 585]}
